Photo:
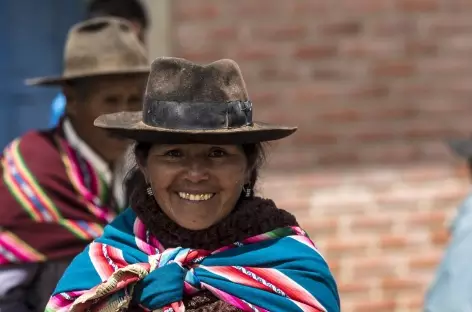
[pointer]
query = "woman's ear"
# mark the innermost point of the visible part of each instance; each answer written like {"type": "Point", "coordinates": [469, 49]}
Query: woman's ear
{"type": "Point", "coordinates": [144, 170]}
{"type": "Point", "coordinates": [248, 176]}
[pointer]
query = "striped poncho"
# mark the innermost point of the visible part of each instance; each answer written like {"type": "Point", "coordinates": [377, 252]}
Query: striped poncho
{"type": "Point", "coordinates": [277, 271]}
{"type": "Point", "coordinates": [52, 201]}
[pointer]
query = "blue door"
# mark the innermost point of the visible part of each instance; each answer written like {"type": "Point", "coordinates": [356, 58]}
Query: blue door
{"type": "Point", "coordinates": [32, 37]}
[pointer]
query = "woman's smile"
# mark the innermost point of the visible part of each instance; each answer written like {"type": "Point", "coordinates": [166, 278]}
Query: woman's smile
{"type": "Point", "coordinates": [195, 197]}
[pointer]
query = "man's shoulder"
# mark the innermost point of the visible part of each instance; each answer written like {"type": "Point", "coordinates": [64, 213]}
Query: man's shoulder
{"type": "Point", "coordinates": [35, 148]}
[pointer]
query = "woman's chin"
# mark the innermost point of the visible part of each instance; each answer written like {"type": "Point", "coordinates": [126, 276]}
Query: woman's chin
{"type": "Point", "coordinates": [195, 224]}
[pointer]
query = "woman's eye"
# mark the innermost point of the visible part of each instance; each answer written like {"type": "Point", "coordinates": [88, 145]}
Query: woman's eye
{"type": "Point", "coordinates": [217, 153]}
{"type": "Point", "coordinates": [173, 153]}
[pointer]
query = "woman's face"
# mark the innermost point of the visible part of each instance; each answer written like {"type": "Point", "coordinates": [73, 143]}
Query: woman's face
{"type": "Point", "coordinates": [196, 185]}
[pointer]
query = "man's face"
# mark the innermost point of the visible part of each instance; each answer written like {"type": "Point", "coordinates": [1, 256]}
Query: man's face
{"type": "Point", "coordinates": [139, 30]}
{"type": "Point", "coordinates": [89, 99]}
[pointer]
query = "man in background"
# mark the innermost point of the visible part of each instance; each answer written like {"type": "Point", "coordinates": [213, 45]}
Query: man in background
{"type": "Point", "coordinates": [452, 286]}
{"type": "Point", "coordinates": [131, 10]}
{"type": "Point", "coordinates": [58, 188]}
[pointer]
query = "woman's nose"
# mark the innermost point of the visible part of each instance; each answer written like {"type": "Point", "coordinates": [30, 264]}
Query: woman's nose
{"type": "Point", "coordinates": [197, 170]}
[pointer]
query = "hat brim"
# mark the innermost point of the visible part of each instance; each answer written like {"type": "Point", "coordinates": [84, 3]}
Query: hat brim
{"type": "Point", "coordinates": [461, 147]}
{"type": "Point", "coordinates": [54, 81]}
{"type": "Point", "coordinates": [129, 125]}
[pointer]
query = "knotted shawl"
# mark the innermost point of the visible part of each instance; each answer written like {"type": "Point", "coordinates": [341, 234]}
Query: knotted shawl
{"type": "Point", "coordinates": [276, 271]}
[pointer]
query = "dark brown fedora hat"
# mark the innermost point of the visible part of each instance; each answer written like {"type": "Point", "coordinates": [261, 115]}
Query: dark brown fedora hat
{"type": "Point", "coordinates": [100, 46]}
{"type": "Point", "coordinates": [189, 103]}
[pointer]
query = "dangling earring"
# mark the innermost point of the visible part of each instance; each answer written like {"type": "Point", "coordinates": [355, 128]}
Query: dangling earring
{"type": "Point", "coordinates": [149, 191]}
{"type": "Point", "coordinates": [248, 191]}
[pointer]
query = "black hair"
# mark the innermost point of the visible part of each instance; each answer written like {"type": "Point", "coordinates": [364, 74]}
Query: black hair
{"type": "Point", "coordinates": [132, 10]}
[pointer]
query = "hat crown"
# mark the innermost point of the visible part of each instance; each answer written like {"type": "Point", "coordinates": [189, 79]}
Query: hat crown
{"type": "Point", "coordinates": [103, 45]}
{"type": "Point", "coordinates": [179, 80]}
{"type": "Point", "coordinates": [187, 96]}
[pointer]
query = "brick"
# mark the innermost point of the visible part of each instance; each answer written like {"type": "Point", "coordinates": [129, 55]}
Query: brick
{"type": "Point", "coordinates": [427, 130]}
{"type": "Point", "coordinates": [353, 289]}
{"type": "Point", "coordinates": [393, 241]}
{"type": "Point", "coordinates": [279, 74]}
{"type": "Point", "coordinates": [414, 304]}
{"type": "Point", "coordinates": [366, 6]}
{"type": "Point", "coordinates": [224, 33]}
{"type": "Point", "coordinates": [278, 32]}
{"type": "Point", "coordinates": [333, 157]}
{"type": "Point", "coordinates": [319, 227]}
{"type": "Point", "coordinates": [341, 28]}
{"type": "Point", "coordinates": [367, 268]}
{"type": "Point", "coordinates": [448, 25]}
{"type": "Point", "coordinates": [358, 48]}
{"type": "Point", "coordinates": [422, 261]}
{"type": "Point", "coordinates": [307, 8]}
{"type": "Point", "coordinates": [203, 56]}
{"type": "Point", "coordinates": [195, 11]}
{"type": "Point", "coordinates": [340, 247]}
{"type": "Point", "coordinates": [373, 135]}
{"type": "Point", "coordinates": [313, 94]}
{"type": "Point", "coordinates": [440, 237]}
{"type": "Point", "coordinates": [283, 161]}
{"type": "Point", "coordinates": [315, 52]}
{"type": "Point", "coordinates": [417, 5]}
{"type": "Point", "coordinates": [371, 224]}
{"type": "Point", "coordinates": [317, 138]}
{"type": "Point", "coordinates": [370, 91]}
{"type": "Point", "coordinates": [326, 74]}
{"type": "Point", "coordinates": [432, 220]}
{"type": "Point", "coordinates": [378, 306]}
{"type": "Point", "coordinates": [319, 180]}
{"type": "Point", "coordinates": [254, 53]}
{"type": "Point", "coordinates": [255, 9]}
{"type": "Point", "coordinates": [392, 112]}
{"type": "Point", "coordinates": [427, 173]}
{"type": "Point", "coordinates": [420, 48]}
{"type": "Point", "coordinates": [458, 45]}
{"type": "Point", "coordinates": [334, 267]}
{"type": "Point", "coordinates": [341, 115]}
{"type": "Point", "coordinates": [394, 69]}
{"type": "Point", "coordinates": [263, 98]}
{"type": "Point", "coordinates": [400, 284]}
{"type": "Point", "coordinates": [390, 27]}
{"type": "Point", "coordinates": [392, 154]}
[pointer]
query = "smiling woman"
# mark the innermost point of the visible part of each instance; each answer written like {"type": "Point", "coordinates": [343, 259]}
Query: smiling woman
{"type": "Point", "coordinates": [197, 185]}
{"type": "Point", "coordinates": [196, 237]}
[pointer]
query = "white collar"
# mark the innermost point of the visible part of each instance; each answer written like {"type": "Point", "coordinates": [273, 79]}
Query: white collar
{"type": "Point", "coordinates": [86, 151]}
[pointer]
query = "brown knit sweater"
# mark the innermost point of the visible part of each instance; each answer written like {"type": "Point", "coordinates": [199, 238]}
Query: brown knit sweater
{"type": "Point", "coordinates": [250, 217]}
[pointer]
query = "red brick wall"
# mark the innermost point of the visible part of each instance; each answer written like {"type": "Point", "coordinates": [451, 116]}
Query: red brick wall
{"type": "Point", "coordinates": [375, 86]}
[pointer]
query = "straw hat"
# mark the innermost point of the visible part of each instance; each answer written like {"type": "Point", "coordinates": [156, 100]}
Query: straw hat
{"type": "Point", "coordinates": [189, 103]}
{"type": "Point", "coordinates": [100, 46]}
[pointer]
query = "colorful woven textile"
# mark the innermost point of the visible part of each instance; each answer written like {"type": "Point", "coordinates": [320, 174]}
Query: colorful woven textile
{"type": "Point", "coordinates": [52, 201]}
{"type": "Point", "coordinates": [276, 271]}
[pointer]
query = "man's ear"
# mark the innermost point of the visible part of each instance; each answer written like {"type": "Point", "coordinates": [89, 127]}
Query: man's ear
{"type": "Point", "coordinates": [71, 95]}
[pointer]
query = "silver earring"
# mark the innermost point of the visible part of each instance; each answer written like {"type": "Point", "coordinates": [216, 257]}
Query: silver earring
{"type": "Point", "coordinates": [248, 191]}
{"type": "Point", "coordinates": [149, 191]}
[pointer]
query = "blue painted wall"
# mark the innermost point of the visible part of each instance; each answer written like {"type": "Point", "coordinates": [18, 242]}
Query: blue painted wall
{"type": "Point", "coordinates": [32, 37]}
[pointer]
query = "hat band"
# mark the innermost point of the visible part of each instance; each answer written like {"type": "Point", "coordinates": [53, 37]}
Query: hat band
{"type": "Point", "coordinates": [197, 115]}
